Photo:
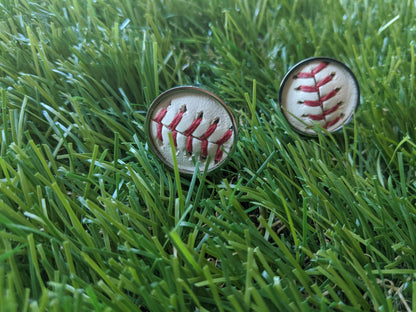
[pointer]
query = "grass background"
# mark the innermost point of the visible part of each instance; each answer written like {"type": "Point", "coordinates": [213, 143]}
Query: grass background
{"type": "Point", "coordinates": [91, 221]}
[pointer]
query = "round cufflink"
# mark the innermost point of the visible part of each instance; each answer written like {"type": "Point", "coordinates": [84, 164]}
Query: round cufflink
{"type": "Point", "coordinates": [319, 91]}
{"type": "Point", "coordinates": [200, 126]}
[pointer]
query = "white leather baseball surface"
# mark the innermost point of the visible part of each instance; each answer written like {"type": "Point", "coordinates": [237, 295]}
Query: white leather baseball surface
{"type": "Point", "coordinates": [201, 125]}
{"type": "Point", "coordinates": [319, 90]}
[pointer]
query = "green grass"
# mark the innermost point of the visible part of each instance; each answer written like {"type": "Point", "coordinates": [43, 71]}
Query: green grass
{"type": "Point", "coordinates": [91, 221]}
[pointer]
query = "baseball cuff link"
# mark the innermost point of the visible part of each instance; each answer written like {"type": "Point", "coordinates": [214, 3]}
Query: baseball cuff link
{"type": "Point", "coordinates": [202, 127]}
{"type": "Point", "coordinates": [321, 91]}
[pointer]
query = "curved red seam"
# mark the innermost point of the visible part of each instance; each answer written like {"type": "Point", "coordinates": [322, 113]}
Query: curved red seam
{"type": "Point", "coordinates": [158, 119]}
{"type": "Point", "coordinates": [321, 100]}
{"type": "Point", "coordinates": [204, 148]}
{"type": "Point", "coordinates": [322, 116]}
{"type": "Point", "coordinates": [324, 81]}
{"type": "Point", "coordinates": [320, 67]}
{"type": "Point", "coordinates": [189, 144]}
{"type": "Point", "coordinates": [159, 131]}
{"type": "Point", "coordinates": [329, 95]}
{"type": "Point", "coordinates": [331, 110]}
{"type": "Point", "coordinates": [209, 131]}
{"type": "Point", "coordinates": [218, 154]}
{"type": "Point", "coordinates": [193, 126]}
{"type": "Point", "coordinates": [304, 75]}
{"type": "Point", "coordinates": [312, 74]}
{"type": "Point", "coordinates": [174, 136]}
{"type": "Point", "coordinates": [176, 120]}
{"type": "Point", "coordinates": [332, 122]}
{"type": "Point", "coordinates": [316, 87]}
{"type": "Point", "coordinates": [160, 115]}
{"type": "Point", "coordinates": [312, 103]}
{"type": "Point", "coordinates": [309, 89]}
{"type": "Point", "coordinates": [227, 135]}
{"type": "Point", "coordinates": [188, 133]}
{"type": "Point", "coordinates": [316, 117]}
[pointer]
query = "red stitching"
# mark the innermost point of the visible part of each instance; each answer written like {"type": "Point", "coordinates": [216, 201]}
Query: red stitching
{"type": "Point", "coordinates": [322, 99]}
{"type": "Point", "coordinates": [313, 103]}
{"type": "Point", "coordinates": [174, 136]}
{"type": "Point", "coordinates": [312, 74]}
{"type": "Point", "coordinates": [160, 115]}
{"type": "Point", "coordinates": [332, 122]}
{"type": "Point", "coordinates": [189, 144]}
{"type": "Point", "coordinates": [310, 89]}
{"type": "Point", "coordinates": [320, 67]}
{"type": "Point", "coordinates": [159, 131]}
{"type": "Point", "coordinates": [227, 135]}
{"type": "Point", "coordinates": [325, 113]}
{"type": "Point", "coordinates": [158, 120]}
{"type": "Point", "coordinates": [188, 133]}
{"type": "Point", "coordinates": [209, 131]}
{"type": "Point", "coordinates": [193, 126]}
{"type": "Point", "coordinates": [316, 117]}
{"type": "Point", "coordinates": [176, 120]}
{"type": "Point", "coordinates": [325, 80]}
{"type": "Point", "coordinates": [329, 95]}
{"type": "Point", "coordinates": [204, 148]}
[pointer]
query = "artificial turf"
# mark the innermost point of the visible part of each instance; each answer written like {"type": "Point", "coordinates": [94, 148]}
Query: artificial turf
{"type": "Point", "coordinates": [90, 220]}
